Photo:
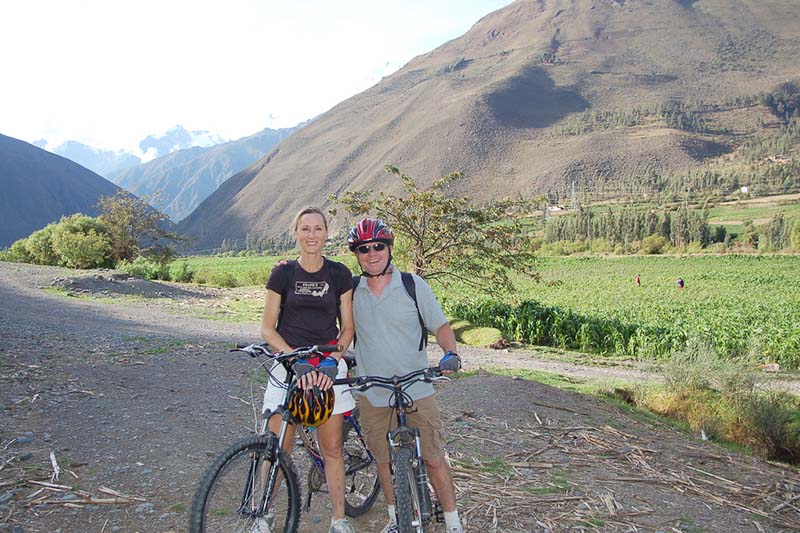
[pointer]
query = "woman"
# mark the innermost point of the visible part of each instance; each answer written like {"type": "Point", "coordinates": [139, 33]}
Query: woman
{"type": "Point", "coordinates": [304, 299]}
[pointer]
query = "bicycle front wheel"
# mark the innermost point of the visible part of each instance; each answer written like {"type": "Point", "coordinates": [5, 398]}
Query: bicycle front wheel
{"type": "Point", "coordinates": [361, 483]}
{"type": "Point", "coordinates": [232, 496]}
{"type": "Point", "coordinates": [408, 505]}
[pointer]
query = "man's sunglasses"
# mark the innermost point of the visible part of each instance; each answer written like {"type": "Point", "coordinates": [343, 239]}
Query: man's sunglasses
{"type": "Point", "coordinates": [365, 248]}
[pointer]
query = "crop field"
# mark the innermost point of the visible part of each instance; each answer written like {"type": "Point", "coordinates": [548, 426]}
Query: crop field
{"type": "Point", "coordinates": [734, 304]}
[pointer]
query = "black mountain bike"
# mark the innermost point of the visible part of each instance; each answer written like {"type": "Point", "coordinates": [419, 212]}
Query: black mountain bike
{"type": "Point", "coordinates": [252, 486]}
{"type": "Point", "coordinates": [413, 503]}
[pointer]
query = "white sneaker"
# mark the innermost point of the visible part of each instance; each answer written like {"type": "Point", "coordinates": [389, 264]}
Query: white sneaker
{"type": "Point", "coordinates": [391, 527]}
{"type": "Point", "coordinates": [263, 524]}
{"type": "Point", "coordinates": [341, 526]}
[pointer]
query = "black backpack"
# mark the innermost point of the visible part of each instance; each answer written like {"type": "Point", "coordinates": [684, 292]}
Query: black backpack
{"type": "Point", "coordinates": [411, 289]}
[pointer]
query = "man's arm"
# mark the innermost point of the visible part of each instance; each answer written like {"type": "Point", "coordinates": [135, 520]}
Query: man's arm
{"type": "Point", "coordinates": [446, 338]}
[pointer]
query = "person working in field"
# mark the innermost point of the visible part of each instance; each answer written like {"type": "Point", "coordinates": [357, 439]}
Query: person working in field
{"type": "Point", "coordinates": [304, 299]}
{"type": "Point", "coordinates": [390, 334]}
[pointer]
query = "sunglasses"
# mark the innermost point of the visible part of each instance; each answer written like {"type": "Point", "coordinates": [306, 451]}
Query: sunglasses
{"type": "Point", "coordinates": [364, 249]}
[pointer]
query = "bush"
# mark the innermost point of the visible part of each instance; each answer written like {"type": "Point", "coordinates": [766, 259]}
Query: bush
{"type": "Point", "coordinates": [145, 268]}
{"type": "Point", "coordinates": [769, 416]}
{"type": "Point", "coordinates": [17, 253]}
{"type": "Point", "coordinates": [653, 244]}
{"type": "Point", "coordinates": [216, 278]}
{"type": "Point", "coordinates": [80, 241]}
{"type": "Point", "coordinates": [257, 277]}
{"type": "Point", "coordinates": [183, 274]}
{"type": "Point", "coordinates": [40, 248]}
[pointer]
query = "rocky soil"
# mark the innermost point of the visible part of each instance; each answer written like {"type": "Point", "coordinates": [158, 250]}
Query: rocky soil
{"type": "Point", "coordinates": [132, 398]}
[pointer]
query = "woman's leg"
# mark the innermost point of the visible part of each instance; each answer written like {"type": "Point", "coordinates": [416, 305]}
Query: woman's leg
{"type": "Point", "coordinates": [330, 445]}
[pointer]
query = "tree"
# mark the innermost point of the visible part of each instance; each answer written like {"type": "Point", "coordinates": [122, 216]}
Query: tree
{"type": "Point", "coordinates": [134, 227]}
{"type": "Point", "coordinates": [449, 238]}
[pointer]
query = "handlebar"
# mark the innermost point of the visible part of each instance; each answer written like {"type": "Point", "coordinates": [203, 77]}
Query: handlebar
{"type": "Point", "coordinates": [258, 350]}
{"type": "Point", "coordinates": [363, 383]}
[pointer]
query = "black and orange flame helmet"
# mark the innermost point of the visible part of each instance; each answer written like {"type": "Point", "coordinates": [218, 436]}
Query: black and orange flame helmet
{"type": "Point", "coordinates": [311, 407]}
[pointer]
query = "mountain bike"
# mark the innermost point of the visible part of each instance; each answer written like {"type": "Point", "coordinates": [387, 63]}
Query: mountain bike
{"type": "Point", "coordinates": [253, 485]}
{"type": "Point", "coordinates": [414, 506]}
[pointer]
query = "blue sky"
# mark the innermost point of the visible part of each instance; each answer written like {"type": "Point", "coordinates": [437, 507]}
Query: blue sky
{"type": "Point", "coordinates": [110, 72]}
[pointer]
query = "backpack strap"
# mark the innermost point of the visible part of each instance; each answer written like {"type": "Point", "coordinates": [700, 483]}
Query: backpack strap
{"type": "Point", "coordinates": [411, 290]}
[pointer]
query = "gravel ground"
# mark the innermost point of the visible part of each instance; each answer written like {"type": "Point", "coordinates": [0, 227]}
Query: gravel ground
{"type": "Point", "coordinates": [138, 395]}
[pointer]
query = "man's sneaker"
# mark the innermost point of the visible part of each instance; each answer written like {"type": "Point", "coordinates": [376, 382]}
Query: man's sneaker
{"type": "Point", "coordinates": [391, 527]}
{"type": "Point", "coordinates": [260, 525]}
{"type": "Point", "coordinates": [341, 526]}
{"type": "Point", "coordinates": [263, 524]}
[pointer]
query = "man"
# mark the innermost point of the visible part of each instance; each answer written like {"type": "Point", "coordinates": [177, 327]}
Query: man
{"type": "Point", "coordinates": [389, 342]}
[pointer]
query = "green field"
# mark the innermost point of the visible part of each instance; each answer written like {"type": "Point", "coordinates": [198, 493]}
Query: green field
{"type": "Point", "coordinates": [735, 304]}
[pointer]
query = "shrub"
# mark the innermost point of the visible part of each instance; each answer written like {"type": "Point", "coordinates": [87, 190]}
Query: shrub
{"type": "Point", "coordinates": [17, 253]}
{"type": "Point", "coordinates": [768, 416]}
{"type": "Point", "coordinates": [145, 268]}
{"type": "Point", "coordinates": [653, 244]}
{"type": "Point", "coordinates": [216, 278]}
{"type": "Point", "coordinates": [80, 241]}
{"type": "Point", "coordinates": [183, 274]}
{"type": "Point", "coordinates": [258, 276]}
{"type": "Point", "coordinates": [40, 248]}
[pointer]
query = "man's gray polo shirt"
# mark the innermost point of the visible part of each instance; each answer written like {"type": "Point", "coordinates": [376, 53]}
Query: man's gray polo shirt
{"type": "Point", "coordinates": [387, 333]}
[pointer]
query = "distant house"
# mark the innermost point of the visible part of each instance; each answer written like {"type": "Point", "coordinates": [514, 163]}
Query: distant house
{"type": "Point", "coordinates": [553, 208]}
{"type": "Point", "coordinates": [745, 190]}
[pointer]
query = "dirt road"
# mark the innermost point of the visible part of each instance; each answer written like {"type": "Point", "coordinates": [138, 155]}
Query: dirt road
{"type": "Point", "coordinates": [137, 398]}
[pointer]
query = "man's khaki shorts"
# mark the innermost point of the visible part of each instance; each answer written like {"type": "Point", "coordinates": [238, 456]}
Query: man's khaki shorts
{"type": "Point", "coordinates": [377, 421]}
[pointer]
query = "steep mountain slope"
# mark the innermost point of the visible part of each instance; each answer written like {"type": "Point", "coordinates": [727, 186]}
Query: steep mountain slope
{"type": "Point", "coordinates": [178, 182]}
{"type": "Point", "coordinates": [40, 187]}
{"type": "Point", "coordinates": [500, 104]}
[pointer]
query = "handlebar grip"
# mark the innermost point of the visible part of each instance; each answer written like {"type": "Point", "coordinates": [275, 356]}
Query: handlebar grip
{"type": "Point", "coordinates": [330, 347]}
{"type": "Point", "coordinates": [240, 345]}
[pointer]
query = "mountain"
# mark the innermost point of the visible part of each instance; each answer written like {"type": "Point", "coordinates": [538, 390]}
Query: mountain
{"type": "Point", "coordinates": [40, 187]}
{"type": "Point", "coordinates": [537, 97]}
{"type": "Point", "coordinates": [176, 183]}
{"type": "Point", "coordinates": [102, 162]}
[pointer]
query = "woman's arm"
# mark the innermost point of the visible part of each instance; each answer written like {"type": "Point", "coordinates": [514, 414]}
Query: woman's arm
{"type": "Point", "coordinates": [346, 324]}
{"type": "Point", "coordinates": [269, 318]}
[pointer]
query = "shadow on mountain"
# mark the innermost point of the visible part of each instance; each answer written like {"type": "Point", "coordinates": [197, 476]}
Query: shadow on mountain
{"type": "Point", "coordinates": [532, 100]}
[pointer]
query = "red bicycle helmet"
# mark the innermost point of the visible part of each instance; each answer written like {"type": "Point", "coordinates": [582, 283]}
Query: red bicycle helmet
{"type": "Point", "coordinates": [369, 230]}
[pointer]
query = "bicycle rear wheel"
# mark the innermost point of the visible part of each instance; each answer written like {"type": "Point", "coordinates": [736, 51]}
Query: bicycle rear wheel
{"type": "Point", "coordinates": [232, 491]}
{"type": "Point", "coordinates": [361, 483]}
{"type": "Point", "coordinates": [408, 505]}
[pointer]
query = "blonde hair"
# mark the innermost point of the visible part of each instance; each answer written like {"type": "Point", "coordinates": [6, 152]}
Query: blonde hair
{"type": "Point", "coordinates": [310, 210]}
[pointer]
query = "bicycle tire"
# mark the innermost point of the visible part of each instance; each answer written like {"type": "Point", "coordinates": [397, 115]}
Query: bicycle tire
{"type": "Point", "coordinates": [231, 489]}
{"type": "Point", "coordinates": [361, 484]}
{"type": "Point", "coordinates": [406, 496]}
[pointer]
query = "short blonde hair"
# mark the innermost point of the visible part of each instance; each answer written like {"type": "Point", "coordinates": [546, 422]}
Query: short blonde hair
{"type": "Point", "coordinates": [310, 210]}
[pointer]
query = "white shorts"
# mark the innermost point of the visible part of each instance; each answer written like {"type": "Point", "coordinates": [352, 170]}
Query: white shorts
{"type": "Point", "coordinates": [274, 394]}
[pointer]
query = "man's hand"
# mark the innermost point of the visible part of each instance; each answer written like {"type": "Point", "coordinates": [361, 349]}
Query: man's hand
{"type": "Point", "coordinates": [450, 362]}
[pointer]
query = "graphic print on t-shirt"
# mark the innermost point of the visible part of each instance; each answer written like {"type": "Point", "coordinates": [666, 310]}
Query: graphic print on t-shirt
{"type": "Point", "coordinates": [311, 288]}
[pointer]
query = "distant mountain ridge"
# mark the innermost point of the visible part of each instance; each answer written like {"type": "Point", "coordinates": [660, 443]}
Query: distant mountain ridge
{"type": "Point", "coordinates": [176, 183]}
{"type": "Point", "coordinates": [40, 187]}
{"type": "Point", "coordinates": [506, 102]}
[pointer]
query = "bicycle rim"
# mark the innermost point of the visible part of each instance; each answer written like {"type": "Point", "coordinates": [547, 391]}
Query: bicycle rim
{"type": "Point", "coordinates": [361, 474]}
{"type": "Point", "coordinates": [407, 502]}
{"type": "Point", "coordinates": [232, 492]}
